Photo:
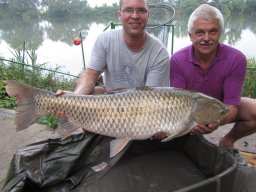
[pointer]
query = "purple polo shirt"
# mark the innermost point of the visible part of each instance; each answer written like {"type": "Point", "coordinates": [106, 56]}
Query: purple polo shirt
{"type": "Point", "coordinates": [223, 80]}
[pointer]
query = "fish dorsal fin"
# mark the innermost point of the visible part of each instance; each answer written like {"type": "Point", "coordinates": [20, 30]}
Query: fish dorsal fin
{"type": "Point", "coordinates": [119, 90]}
{"type": "Point", "coordinates": [66, 127]}
{"type": "Point", "coordinates": [144, 88]}
{"type": "Point", "coordinates": [117, 145]}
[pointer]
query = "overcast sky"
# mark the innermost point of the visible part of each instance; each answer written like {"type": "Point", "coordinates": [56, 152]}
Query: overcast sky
{"type": "Point", "coordinates": [93, 3]}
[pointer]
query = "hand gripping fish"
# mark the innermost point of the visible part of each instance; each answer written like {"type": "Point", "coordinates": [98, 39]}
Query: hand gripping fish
{"type": "Point", "coordinates": [130, 114]}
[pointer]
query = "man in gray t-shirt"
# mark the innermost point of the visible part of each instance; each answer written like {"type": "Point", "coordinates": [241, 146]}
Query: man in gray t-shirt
{"type": "Point", "coordinates": [124, 67]}
{"type": "Point", "coordinates": [128, 57]}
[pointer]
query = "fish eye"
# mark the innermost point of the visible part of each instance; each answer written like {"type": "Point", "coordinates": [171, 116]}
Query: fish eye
{"type": "Point", "coordinates": [222, 112]}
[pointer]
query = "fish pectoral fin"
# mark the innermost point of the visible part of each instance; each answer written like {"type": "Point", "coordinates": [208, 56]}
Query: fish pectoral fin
{"type": "Point", "coordinates": [179, 134]}
{"type": "Point", "coordinates": [66, 127]}
{"type": "Point", "coordinates": [187, 126]}
{"type": "Point", "coordinates": [117, 145]}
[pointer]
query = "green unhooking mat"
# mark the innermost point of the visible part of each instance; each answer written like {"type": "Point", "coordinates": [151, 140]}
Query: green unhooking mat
{"type": "Point", "coordinates": [81, 163]}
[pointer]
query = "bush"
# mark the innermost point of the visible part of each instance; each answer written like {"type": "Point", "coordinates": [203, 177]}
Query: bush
{"type": "Point", "coordinates": [249, 89]}
{"type": "Point", "coordinates": [5, 100]}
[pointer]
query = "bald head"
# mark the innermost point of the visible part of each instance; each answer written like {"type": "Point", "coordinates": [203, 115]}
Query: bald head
{"type": "Point", "coordinates": [122, 1]}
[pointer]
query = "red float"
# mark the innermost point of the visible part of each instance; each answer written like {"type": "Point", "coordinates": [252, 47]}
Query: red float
{"type": "Point", "coordinates": [77, 41]}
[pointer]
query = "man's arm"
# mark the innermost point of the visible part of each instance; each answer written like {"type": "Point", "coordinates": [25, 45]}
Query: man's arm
{"type": "Point", "coordinates": [230, 117]}
{"type": "Point", "coordinates": [86, 84]}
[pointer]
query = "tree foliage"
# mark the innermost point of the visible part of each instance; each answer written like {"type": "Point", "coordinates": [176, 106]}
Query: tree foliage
{"type": "Point", "coordinates": [225, 6]}
{"type": "Point", "coordinates": [20, 7]}
{"type": "Point", "coordinates": [81, 7]}
{"type": "Point", "coordinates": [65, 7]}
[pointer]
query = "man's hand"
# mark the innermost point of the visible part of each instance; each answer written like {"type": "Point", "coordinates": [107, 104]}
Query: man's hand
{"type": "Point", "coordinates": [159, 136]}
{"type": "Point", "coordinates": [205, 129]}
{"type": "Point", "coordinates": [61, 92]}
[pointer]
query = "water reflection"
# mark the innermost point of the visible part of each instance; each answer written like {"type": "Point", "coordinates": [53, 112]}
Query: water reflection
{"type": "Point", "coordinates": [53, 39]}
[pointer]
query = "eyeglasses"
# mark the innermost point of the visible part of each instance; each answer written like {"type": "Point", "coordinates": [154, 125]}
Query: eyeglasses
{"type": "Point", "coordinates": [140, 11]}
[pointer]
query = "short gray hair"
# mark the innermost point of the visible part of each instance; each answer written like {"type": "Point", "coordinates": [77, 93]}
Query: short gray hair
{"type": "Point", "coordinates": [207, 12]}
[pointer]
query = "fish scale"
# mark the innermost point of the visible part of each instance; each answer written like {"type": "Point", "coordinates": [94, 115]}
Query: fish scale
{"type": "Point", "coordinates": [136, 113]}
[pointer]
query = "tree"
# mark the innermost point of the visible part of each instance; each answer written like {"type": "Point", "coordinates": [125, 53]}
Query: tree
{"type": "Point", "coordinates": [238, 6]}
{"type": "Point", "coordinates": [251, 7]}
{"type": "Point", "coordinates": [64, 7]}
{"type": "Point", "coordinates": [21, 7]}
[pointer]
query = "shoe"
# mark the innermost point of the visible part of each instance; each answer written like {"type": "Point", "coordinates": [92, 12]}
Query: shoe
{"type": "Point", "coordinates": [236, 155]}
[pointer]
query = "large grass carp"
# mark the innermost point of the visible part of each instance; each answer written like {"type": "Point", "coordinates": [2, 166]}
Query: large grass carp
{"type": "Point", "coordinates": [130, 114]}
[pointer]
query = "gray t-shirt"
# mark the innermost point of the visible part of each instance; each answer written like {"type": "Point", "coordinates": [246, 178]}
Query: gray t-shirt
{"type": "Point", "coordinates": [124, 68]}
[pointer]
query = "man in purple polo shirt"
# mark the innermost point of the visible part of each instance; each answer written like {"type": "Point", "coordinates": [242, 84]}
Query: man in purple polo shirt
{"type": "Point", "coordinates": [218, 70]}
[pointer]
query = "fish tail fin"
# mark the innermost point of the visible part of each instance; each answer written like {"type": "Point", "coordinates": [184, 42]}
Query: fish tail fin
{"type": "Point", "coordinates": [26, 110]}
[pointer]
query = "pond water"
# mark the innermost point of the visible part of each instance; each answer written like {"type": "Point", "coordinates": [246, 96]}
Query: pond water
{"type": "Point", "coordinates": [57, 49]}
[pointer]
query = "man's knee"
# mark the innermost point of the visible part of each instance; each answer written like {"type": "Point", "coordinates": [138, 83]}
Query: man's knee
{"type": "Point", "coordinates": [247, 109]}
